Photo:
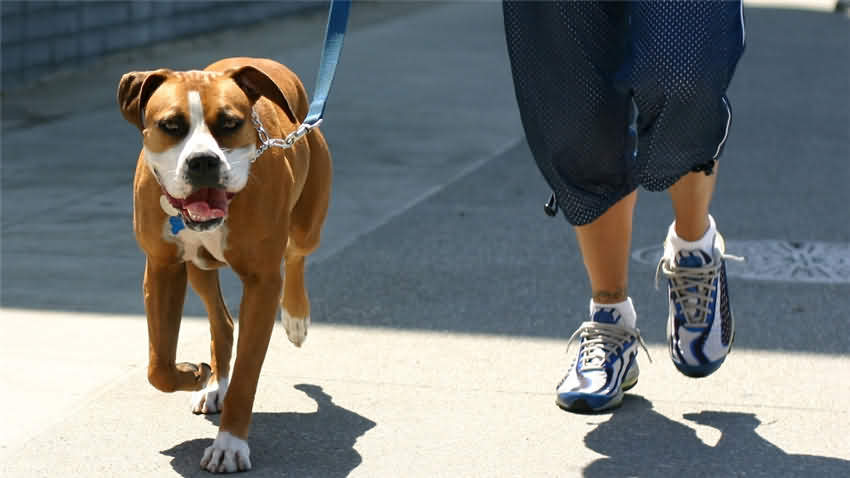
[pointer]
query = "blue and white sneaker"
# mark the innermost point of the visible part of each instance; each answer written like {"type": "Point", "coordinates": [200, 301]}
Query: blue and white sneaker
{"type": "Point", "coordinates": [606, 365]}
{"type": "Point", "coordinates": [700, 325]}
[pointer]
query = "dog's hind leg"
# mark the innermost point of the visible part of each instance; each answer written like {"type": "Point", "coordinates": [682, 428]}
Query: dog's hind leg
{"type": "Point", "coordinates": [206, 284]}
{"type": "Point", "coordinates": [295, 305]}
{"type": "Point", "coordinates": [165, 290]}
{"type": "Point", "coordinates": [307, 219]}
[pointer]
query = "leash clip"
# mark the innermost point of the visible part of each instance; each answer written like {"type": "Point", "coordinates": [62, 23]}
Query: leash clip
{"type": "Point", "coordinates": [267, 142]}
{"type": "Point", "coordinates": [300, 132]}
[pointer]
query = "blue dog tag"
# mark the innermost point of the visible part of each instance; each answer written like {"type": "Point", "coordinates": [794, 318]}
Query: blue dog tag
{"type": "Point", "coordinates": [176, 224]}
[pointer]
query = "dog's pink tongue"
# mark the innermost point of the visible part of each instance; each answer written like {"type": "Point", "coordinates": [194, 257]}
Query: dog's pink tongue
{"type": "Point", "coordinates": [206, 204]}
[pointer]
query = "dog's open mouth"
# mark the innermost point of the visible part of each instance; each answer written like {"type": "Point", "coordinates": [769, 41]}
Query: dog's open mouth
{"type": "Point", "coordinates": [204, 208]}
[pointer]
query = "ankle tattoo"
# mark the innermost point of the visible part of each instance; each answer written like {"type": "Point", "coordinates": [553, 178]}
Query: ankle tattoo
{"type": "Point", "coordinates": [610, 296]}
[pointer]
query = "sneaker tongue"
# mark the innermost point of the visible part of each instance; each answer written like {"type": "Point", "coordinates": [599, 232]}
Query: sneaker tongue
{"type": "Point", "coordinates": [692, 259]}
{"type": "Point", "coordinates": [606, 315]}
{"type": "Point", "coordinates": [595, 357]}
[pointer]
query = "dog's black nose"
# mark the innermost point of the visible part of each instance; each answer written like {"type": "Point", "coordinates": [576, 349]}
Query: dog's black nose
{"type": "Point", "coordinates": [204, 170]}
{"type": "Point", "coordinates": [204, 164]}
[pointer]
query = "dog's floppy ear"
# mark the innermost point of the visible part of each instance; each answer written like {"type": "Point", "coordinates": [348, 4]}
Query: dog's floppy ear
{"type": "Point", "coordinates": [255, 84]}
{"type": "Point", "coordinates": [134, 91]}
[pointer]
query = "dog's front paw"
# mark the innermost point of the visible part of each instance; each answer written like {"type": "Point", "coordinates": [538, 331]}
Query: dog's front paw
{"type": "Point", "coordinates": [211, 398]}
{"type": "Point", "coordinates": [227, 454]}
{"type": "Point", "coordinates": [296, 328]}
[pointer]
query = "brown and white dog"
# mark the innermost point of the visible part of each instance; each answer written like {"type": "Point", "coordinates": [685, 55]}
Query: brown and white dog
{"type": "Point", "coordinates": [201, 202]}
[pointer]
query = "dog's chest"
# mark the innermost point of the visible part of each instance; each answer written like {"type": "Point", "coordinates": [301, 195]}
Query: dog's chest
{"type": "Point", "coordinates": [205, 249]}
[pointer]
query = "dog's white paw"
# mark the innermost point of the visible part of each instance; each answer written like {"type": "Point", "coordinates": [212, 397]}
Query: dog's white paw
{"type": "Point", "coordinates": [227, 454]}
{"type": "Point", "coordinates": [211, 398]}
{"type": "Point", "coordinates": [296, 329]}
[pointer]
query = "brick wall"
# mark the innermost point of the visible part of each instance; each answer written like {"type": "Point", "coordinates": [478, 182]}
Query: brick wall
{"type": "Point", "coordinates": [39, 37]}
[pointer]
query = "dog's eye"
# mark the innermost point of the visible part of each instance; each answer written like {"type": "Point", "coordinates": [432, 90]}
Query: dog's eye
{"type": "Point", "coordinates": [174, 126]}
{"type": "Point", "coordinates": [229, 124]}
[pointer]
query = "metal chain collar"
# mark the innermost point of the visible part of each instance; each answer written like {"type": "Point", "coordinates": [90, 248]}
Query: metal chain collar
{"type": "Point", "coordinates": [284, 143]}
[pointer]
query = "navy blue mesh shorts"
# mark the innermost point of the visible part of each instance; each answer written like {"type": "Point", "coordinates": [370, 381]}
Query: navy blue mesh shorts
{"type": "Point", "coordinates": [616, 95]}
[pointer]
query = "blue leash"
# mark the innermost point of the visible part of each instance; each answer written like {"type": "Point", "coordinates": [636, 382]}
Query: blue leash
{"type": "Point", "coordinates": [334, 35]}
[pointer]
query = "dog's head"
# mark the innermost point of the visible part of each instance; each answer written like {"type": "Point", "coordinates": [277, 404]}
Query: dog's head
{"type": "Point", "coordinates": [198, 137]}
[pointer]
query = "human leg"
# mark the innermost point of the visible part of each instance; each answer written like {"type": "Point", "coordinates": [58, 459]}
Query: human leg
{"type": "Point", "coordinates": [606, 364]}
{"type": "Point", "coordinates": [576, 111]}
{"type": "Point", "coordinates": [605, 245]}
{"type": "Point", "coordinates": [691, 196]}
{"type": "Point", "coordinates": [685, 55]}
{"type": "Point", "coordinates": [700, 323]}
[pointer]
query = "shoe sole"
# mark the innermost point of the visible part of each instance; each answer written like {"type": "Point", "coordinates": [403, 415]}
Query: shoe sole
{"type": "Point", "coordinates": [582, 406]}
{"type": "Point", "coordinates": [699, 371]}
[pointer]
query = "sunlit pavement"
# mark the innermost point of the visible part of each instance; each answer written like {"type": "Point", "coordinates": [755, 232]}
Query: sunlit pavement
{"type": "Point", "coordinates": [442, 295]}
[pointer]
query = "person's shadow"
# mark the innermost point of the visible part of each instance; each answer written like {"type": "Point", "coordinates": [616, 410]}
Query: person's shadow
{"type": "Point", "coordinates": [639, 441]}
{"type": "Point", "coordinates": [319, 444]}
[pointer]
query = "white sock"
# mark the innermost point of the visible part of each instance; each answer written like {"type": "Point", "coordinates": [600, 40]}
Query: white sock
{"type": "Point", "coordinates": [705, 243]}
{"type": "Point", "coordinates": [628, 316]}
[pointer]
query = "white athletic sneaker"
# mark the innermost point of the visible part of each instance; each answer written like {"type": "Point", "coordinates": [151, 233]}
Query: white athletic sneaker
{"type": "Point", "coordinates": [700, 326]}
{"type": "Point", "coordinates": [606, 364]}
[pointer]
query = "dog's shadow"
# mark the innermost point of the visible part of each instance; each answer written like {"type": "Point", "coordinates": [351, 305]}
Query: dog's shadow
{"type": "Point", "coordinates": [291, 444]}
{"type": "Point", "coordinates": [638, 441]}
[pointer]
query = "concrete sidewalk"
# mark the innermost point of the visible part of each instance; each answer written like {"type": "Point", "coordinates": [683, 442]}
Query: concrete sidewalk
{"type": "Point", "coordinates": [442, 295]}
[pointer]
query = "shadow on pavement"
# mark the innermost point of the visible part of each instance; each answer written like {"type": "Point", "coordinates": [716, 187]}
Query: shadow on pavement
{"type": "Point", "coordinates": [639, 441]}
{"type": "Point", "coordinates": [291, 444]}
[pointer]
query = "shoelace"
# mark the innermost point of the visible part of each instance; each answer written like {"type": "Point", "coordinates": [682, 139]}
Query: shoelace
{"type": "Point", "coordinates": [692, 286]}
{"type": "Point", "coordinates": [599, 340]}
